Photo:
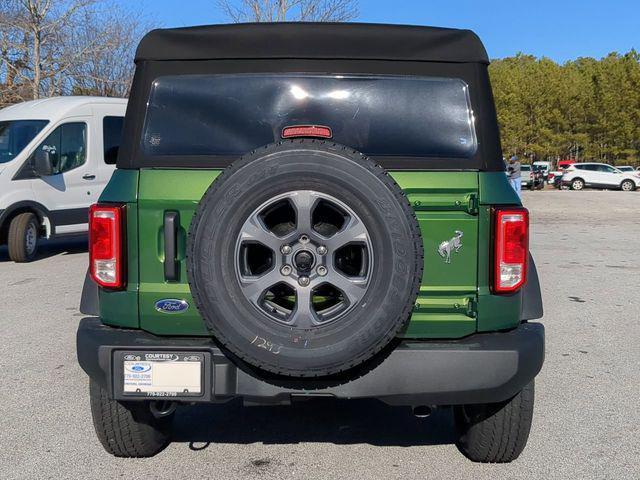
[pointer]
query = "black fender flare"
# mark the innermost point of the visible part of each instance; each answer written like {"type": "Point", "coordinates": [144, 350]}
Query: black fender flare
{"type": "Point", "coordinates": [90, 300]}
{"type": "Point", "coordinates": [531, 294]}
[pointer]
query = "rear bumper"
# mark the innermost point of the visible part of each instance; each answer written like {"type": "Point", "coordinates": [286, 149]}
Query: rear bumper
{"type": "Point", "coordinates": [481, 368]}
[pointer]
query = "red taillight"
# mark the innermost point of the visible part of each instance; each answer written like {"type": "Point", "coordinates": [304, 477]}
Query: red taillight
{"type": "Point", "coordinates": [511, 253]}
{"type": "Point", "coordinates": [105, 245]}
{"type": "Point", "coordinates": [306, 131]}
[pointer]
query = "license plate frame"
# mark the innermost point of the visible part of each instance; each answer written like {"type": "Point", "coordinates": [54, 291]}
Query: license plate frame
{"type": "Point", "coordinates": [157, 371]}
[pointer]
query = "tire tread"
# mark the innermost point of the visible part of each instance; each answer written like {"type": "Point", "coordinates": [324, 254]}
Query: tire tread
{"type": "Point", "coordinates": [127, 430]}
{"type": "Point", "coordinates": [500, 436]}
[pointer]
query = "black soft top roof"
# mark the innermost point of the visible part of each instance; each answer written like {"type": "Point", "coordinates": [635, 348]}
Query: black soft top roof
{"type": "Point", "coordinates": [358, 41]}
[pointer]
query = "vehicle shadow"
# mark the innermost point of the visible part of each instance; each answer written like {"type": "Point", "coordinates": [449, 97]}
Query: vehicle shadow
{"type": "Point", "coordinates": [50, 248]}
{"type": "Point", "coordinates": [340, 422]}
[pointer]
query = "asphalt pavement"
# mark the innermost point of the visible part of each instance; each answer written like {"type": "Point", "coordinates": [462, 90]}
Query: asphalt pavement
{"type": "Point", "coordinates": [587, 412]}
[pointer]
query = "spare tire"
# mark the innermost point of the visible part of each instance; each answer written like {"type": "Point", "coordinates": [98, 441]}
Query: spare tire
{"type": "Point", "coordinates": [304, 258]}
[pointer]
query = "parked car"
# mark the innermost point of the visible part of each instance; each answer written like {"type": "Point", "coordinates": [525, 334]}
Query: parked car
{"type": "Point", "coordinates": [56, 157]}
{"type": "Point", "coordinates": [626, 168]}
{"type": "Point", "coordinates": [245, 247]}
{"type": "Point", "coordinates": [564, 164]}
{"type": "Point", "coordinates": [599, 175]}
{"type": "Point", "coordinates": [553, 177]}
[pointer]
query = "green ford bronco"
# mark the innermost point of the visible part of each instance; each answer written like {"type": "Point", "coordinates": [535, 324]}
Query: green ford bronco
{"type": "Point", "coordinates": [305, 210]}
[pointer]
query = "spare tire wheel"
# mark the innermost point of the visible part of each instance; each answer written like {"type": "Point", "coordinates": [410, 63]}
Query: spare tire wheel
{"type": "Point", "coordinates": [304, 258]}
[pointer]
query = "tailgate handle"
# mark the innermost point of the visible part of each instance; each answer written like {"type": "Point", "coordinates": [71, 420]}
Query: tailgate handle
{"type": "Point", "coordinates": [171, 222]}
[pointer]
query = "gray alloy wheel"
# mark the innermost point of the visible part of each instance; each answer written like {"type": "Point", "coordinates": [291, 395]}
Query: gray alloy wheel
{"type": "Point", "coordinates": [304, 259]}
{"type": "Point", "coordinates": [304, 276]}
{"type": "Point", "coordinates": [627, 186]}
{"type": "Point", "coordinates": [577, 184]}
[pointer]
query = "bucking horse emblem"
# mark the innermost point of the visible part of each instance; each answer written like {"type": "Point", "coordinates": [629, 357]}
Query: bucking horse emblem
{"type": "Point", "coordinates": [454, 244]}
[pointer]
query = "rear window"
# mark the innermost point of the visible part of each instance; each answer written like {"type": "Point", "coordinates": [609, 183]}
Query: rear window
{"type": "Point", "coordinates": [112, 138]}
{"type": "Point", "coordinates": [377, 115]}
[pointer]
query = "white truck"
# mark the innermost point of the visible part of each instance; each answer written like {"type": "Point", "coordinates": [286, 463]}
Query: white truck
{"type": "Point", "coordinates": [56, 156]}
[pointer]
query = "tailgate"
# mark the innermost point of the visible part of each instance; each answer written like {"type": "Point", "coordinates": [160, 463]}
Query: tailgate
{"type": "Point", "coordinates": [445, 203]}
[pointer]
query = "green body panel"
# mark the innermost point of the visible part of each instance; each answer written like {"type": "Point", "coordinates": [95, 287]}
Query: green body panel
{"type": "Point", "coordinates": [454, 300]}
{"type": "Point", "coordinates": [122, 188]}
{"type": "Point", "coordinates": [495, 312]}
{"type": "Point", "coordinates": [444, 202]}
{"type": "Point", "coordinates": [121, 308]}
{"type": "Point", "coordinates": [161, 191]}
{"type": "Point", "coordinates": [496, 190]}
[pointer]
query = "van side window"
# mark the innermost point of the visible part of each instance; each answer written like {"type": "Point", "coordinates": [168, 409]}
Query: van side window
{"type": "Point", "coordinates": [112, 137]}
{"type": "Point", "coordinates": [67, 147]}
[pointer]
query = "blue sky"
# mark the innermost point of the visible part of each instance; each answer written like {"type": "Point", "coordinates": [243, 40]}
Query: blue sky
{"type": "Point", "coordinates": [560, 29]}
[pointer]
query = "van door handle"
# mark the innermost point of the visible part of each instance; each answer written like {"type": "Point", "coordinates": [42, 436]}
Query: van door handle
{"type": "Point", "coordinates": [89, 177]}
{"type": "Point", "coordinates": [171, 222]}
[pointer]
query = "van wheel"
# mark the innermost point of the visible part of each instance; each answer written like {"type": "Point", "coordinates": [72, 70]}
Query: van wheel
{"type": "Point", "coordinates": [128, 429]}
{"type": "Point", "coordinates": [23, 237]}
{"type": "Point", "coordinates": [495, 433]}
{"type": "Point", "coordinates": [628, 186]}
{"type": "Point", "coordinates": [577, 184]}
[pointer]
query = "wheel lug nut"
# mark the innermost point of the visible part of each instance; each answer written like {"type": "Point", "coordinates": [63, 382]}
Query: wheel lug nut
{"type": "Point", "coordinates": [322, 270]}
{"type": "Point", "coordinates": [285, 249]}
{"type": "Point", "coordinates": [304, 239]}
{"type": "Point", "coordinates": [303, 281]}
{"type": "Point", "coordinates": [285, 270]}
{"type": "Point", "coordinates": [322, 250]}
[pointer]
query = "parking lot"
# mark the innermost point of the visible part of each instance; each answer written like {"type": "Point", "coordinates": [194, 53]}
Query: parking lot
{"type": "Point", "coordinates": [586, 425]}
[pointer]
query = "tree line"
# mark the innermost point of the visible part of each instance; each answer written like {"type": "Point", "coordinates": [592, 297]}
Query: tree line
{"type": "Point", "coordinates": [585, 109]}
{"type": "Point", "coordinates": [66, 47]}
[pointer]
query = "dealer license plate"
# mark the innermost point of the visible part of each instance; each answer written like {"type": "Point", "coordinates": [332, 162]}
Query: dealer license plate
{"type": "Point", "coordinates": [162, 374]}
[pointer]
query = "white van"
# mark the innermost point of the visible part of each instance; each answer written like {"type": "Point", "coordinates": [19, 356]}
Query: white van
{"type": "Point", "coordinates": [56, 156]}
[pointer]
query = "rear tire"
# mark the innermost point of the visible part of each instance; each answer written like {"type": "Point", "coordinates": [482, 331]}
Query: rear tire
{"type": "Point", "coordinates": [495, 433]}
{"type": "Point", "coordinates": [127, 429]}
{"type": "Point", "coordinates": [577, 184]}
{"type": "Point", "coordinates": [627, 186]}
{"type": "Point", "coordinates": [23, 237]}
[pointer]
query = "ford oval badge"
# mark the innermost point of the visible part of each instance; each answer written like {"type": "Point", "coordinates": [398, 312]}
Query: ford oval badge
{"type": "Point", "coordinates": [171, 305]}
{"type": "Point", "coordinates": [139, 367]}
